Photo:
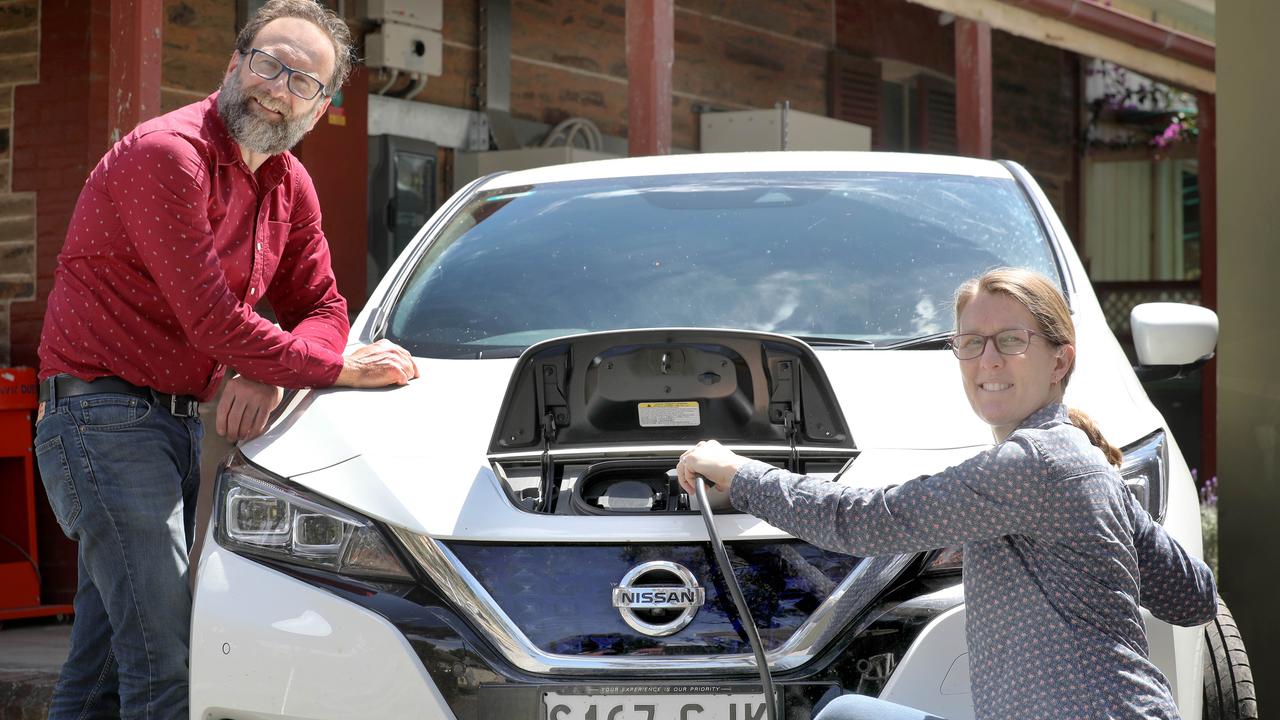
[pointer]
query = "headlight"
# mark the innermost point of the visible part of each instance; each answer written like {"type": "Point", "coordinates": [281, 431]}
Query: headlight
{"type": "Point", "coordinates": [263, 515]}
{"type": "Point", "coordinates": [1145, 471]}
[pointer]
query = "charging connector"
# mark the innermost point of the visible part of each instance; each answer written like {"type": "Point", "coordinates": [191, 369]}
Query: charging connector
{"type": "Point", "coordinates": [744, 614]}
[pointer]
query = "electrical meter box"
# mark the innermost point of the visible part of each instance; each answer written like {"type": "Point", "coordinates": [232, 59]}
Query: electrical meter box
{"type": "Point", "coordinates": [779, 129]}
{"type": "Point", "coordinates": [405, 47]}
{"type": "Point", "coordinates": [422, 13]}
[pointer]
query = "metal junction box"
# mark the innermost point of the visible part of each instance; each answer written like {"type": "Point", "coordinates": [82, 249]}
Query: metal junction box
{"type": "Point", "coordinates": [779, 129]}
{"type": "Point", "coordinates": [405, 47]}
{"type": "Point", "coordinates": [408, 35]}
{"type": "Point", "coordinates": [421, 13]}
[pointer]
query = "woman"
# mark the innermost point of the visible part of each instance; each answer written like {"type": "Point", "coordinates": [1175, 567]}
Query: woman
{"type": "Point", "coordinates": [1058, 554]}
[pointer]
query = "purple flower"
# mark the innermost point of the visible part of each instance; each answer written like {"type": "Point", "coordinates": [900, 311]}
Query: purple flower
{"type": "Point", "coordinates": [1209, 493]}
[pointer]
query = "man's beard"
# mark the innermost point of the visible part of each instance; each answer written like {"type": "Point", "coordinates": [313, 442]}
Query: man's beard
{"type": "Point", "coordinates": [251, 130]}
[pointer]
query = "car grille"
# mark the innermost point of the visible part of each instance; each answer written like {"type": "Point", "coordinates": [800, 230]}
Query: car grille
{"type": "Point", "coordinates": [560, 596]}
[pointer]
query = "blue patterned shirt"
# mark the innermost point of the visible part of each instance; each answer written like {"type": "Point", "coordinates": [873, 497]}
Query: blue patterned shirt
{"type": "Point", "coordinates": [1058, 555]}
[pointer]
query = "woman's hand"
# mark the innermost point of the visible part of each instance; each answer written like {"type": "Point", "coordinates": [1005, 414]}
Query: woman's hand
{"type": "Point", "coordinates": [713, 461]}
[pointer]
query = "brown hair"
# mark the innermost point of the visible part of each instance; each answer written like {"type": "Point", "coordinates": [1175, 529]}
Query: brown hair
{"type": "Point", "coordinates": [332, 26]}
{"type": "Point", "coordinates": [1038, 295]}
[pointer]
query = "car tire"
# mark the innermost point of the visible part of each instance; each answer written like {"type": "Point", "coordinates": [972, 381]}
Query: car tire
{"type": "Point", "coordinates": [1228, 679]}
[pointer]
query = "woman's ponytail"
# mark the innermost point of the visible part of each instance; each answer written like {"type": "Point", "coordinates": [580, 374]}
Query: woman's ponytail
{"type": "Point", "coordinates": [1085, 423]}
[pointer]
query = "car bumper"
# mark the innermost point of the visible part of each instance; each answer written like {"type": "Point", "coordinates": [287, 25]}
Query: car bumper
{"type": "Point", "coordinates": [266, 645]}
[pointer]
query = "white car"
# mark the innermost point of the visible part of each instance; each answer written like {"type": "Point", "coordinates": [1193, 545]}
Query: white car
{"type": "Point", "coordinates": [504, 538]}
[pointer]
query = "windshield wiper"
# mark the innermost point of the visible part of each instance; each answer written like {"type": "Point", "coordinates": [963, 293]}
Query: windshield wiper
{"type": "Point", "coordinates": [826, 341]}
{"type": "Point", "coordinates": [498, 351]}
{"type": "Point", "coordinates": [936, 341]}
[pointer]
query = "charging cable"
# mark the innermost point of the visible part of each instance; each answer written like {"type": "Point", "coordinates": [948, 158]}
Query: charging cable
{"type": "Point", "coordinates": [744, 615]}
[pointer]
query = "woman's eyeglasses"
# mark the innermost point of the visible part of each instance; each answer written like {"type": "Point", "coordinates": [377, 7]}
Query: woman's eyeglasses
{"type": "Point", "coordinates": [1014, 341]}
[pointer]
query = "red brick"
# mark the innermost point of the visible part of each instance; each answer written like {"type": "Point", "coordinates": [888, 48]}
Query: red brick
{"type": "Point", "coordinates": [19, 41]}
{"type": "Point", "coordinates": [19, 14]}
{"type": "Point", "coordinates": [1035, 103]}
{"type": "Point", "coordinates": [809, 20]}
{"type": "Point", "coordinates": [895, 29]}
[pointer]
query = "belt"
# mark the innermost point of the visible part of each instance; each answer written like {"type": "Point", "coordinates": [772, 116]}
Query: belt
{"type": "Point", "coordinates": [64, 386]}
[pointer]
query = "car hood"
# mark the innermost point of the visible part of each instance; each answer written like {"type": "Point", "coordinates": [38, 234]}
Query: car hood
{"type": "Point", "coordinates": [416, 455]}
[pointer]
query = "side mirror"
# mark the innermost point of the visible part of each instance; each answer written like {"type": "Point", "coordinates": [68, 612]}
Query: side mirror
{"type": "Point", "coordinates": [1172, 339]}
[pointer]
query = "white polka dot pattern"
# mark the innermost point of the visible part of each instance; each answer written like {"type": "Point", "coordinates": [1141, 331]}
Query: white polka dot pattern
{"type": "Point", "coordinates": [172, 242]}
{"type": "Point", "coordinates": [1058, 555]}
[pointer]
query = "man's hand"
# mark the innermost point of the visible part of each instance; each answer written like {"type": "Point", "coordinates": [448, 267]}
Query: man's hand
{"type": "Point", "coordinates": [711, 460]}
{"type": "Point", "coordinates": [245, 407]}
{"type": "Point", "coordinates": [377, 365]}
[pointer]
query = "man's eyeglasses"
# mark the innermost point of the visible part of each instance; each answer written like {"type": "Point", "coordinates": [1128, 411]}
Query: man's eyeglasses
{"type": "Point", "coordinates": [1014, 341]}
{"type": "Point", "coordinates": [268, 67]}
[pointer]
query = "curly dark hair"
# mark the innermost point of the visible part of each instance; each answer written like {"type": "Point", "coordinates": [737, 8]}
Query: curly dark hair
{"type": "Point", "coordinates": [332, 26]}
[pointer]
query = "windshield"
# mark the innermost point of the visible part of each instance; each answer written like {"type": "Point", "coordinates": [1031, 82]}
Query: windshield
{"type": "Point", "coordinates": [859, 256]}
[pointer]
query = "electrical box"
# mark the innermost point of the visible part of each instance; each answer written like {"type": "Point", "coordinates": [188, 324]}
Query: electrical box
{"type": "Point", "coordinates": [405, 47]}
{"type": "Point", "coordinates": [421, 13]}
{"type": "Point", "coordinates": [779, 129]}
{"type": "Point", "coordinates": [402, 195]}
{"type": "Point", "coordinates": [468, 166]}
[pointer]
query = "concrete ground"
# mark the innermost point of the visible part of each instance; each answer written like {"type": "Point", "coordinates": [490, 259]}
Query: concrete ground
{"type": "Point", "coordinates": [31, 652]}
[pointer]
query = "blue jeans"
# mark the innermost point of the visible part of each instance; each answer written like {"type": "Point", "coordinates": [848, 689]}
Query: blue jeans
{"type": "Point", "coordinates": [861, 707]}
{"type": "Point", "coordinates": [122, 473]}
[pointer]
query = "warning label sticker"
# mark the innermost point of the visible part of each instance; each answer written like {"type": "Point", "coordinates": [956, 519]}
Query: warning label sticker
{"type": "Point", "coordinates": [669, 414]}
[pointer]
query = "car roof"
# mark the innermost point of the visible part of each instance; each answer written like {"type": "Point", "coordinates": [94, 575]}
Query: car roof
{"type": "Point", "coordinates": [749, 162]}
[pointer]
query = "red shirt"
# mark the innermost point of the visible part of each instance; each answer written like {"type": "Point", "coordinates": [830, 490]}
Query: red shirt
{"type": "Point", "coordinates": [172, 243]}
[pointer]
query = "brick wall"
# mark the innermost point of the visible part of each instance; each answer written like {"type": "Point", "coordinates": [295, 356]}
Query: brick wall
{"type": "Point", "coordinates": [55, 131]}
{"type": "Point", "coordinates": [55, 140]}
{"type": "Point", "coordinates": [1034, 96]}
{"type": "Point", "coordinates": [1035, 115]}
{"type": "Point", "coordinates": [19, 53]}
{"type": "Point", "coordinates": [896, 30]}
{"type": "Point", "coordinates": [569, 59]}
{"type": "Point", "coordinates": [54, 144]}
{"type": "Point", "coordinates": [198, 38]}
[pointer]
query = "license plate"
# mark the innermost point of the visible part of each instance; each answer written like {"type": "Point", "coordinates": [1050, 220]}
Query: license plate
{"type": "Point", "coordinates": [675, 704]}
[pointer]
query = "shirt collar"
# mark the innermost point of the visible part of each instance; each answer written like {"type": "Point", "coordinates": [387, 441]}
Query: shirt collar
{"type": "Point", "coordinates": [228, 151]}
{"type": "Point", "coordinates": [1053, 413]}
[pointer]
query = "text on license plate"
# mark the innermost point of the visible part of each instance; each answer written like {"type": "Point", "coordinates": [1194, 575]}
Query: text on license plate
{"type": "Point", "coordinates": [654, 707]}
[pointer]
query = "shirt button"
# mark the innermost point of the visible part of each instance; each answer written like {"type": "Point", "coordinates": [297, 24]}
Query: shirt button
{"type": "Point", "coordinates": [259, 246]}
{"type": "Point", "coordinates": [253, 291]}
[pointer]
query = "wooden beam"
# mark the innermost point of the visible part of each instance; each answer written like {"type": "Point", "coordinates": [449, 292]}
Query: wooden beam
{"type": "Point", "coordinates": [650, 55]}
{"type": "Point", "coordinates": [1046, 30]}
{"type": "Point", "coordinates": [1207, 179]}
{"type": "Point", "coordinates": [973, 88]}
{"type": "Point", "coordinates": [133, 82]}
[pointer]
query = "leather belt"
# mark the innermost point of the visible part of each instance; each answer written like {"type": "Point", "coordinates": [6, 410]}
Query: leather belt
{"type": "Point", "coordinates": [64, 386]}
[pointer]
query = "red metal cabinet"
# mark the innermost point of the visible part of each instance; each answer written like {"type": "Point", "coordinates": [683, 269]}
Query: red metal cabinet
{"type": "Point", "coordinates": [19, 555]}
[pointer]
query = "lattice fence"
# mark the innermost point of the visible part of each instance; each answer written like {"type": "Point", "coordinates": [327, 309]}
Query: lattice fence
{"type": "Point", "coordinates": [1118, 298]}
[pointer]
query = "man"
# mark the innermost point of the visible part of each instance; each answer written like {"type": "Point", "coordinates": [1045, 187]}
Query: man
{"type": "Point", "coordinates": [184, 225]}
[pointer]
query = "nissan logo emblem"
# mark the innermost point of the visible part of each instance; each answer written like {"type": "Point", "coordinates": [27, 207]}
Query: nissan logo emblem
{"type": "Point", "coordinates": [658, 598]}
